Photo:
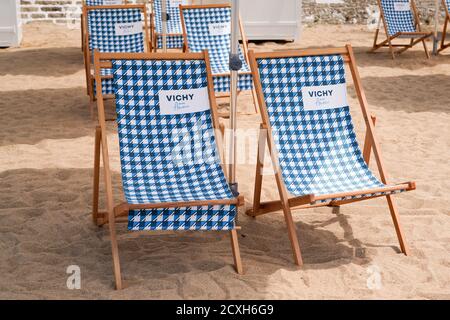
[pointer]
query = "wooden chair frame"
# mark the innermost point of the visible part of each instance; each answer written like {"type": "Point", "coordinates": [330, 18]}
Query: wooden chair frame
{"type": "Point", "coordinates": [415, 37]}
{"type": "Point", "coordinates": [286, 202]}
{"type": "Point", "coordinates": [244, 46]}
{"type": "Point", "coordinates": [115, 213]}
{"type": "Point", "coordinates": [87, 53]}
{"type": "Point", "coordinates": [444, 45]}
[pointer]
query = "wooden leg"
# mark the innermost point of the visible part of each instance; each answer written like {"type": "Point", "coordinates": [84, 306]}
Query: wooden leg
{"type": "Point", "coordinates": [368, 143]}
{"type": "Point", "coordinates": [292, 232]}
{"type": "Point", "coordinates": [115, 250]}
{"type": "Point", "coordinates": [255, 101]}
{"type": "Point", "coordinates": [97, 150]}
{"type": "Point", "coordinates": [284, 197]}
{"type": "Point", "coordinates": [391, 49]}
{"type": "Point", "coordinates": [444, 33]}
{"type": "Point", "coordinates": [82, 33]}
{"type": "Point", "coordinates": [292, 235]}
{"type": "Point", "coordinates": [426, 49]}
{"type": "Point", "coordinates": [110, 203]}
{"type": "Point", "coordinates": [378, 46]}
{"type": "Point", "coordinates": [375, 46]}
{"type": "Point", "coordinates": [259, 168]}
{"type": "Point", "coordinates": [91, 88]}
{"type": "Point", "coordinates": [87, 72]}
{"type": "Point", "coordinates": [236, 252]}
{"type": "Point", "coordinates": [396, 220]}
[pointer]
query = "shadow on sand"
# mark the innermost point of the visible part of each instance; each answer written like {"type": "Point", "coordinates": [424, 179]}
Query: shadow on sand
{"type": "Point", "coordinates": [49, 62]}
{"type": "Point", "coordinates": [48, 113]}
{"type": "Point", "coordinates": [45, 222]}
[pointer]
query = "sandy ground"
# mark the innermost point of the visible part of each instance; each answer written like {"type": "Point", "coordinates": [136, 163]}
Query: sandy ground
{"type": "Point", "coordinates": [46, 158]}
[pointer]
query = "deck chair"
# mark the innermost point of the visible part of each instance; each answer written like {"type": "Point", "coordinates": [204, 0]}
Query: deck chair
{"type": "Point", "coordinates": [93, 3]}
{"type": "Point", "coordinates": [174, 34]}
{"type": "Point", "coordinates": [208, 27]}
{"type": "Point", "coordinates": [401, 21]}
{"type": "Point", "coordinates": [113, 28]}
{"type": "Point", "coordinates": [172, 173]}
{"type": "Point", "coordinates": [444, 45]}
{"type": "Point", "coordinates": [307, 126]}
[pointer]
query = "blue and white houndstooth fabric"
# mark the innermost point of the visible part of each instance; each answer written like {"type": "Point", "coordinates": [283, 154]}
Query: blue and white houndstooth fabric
{"type": "Point", "coordinates": [318, 150]}
{"type": "Point", "coordinates": [197, 23]}
{"type": "Point", "coordinates": [103, 2]}
{"type": "Point", "coordinates": [102, 35]}
{"type": "Point", "coordinates": [447, 2]}
{"type": "Point", "coordinates": [398, 20]}
{"type": "Point", "coordinates": [173, 42]}
{"type": "Point", "coordinates": [168, 158]}
{"type": "Point", "coordinates": [175, 38]}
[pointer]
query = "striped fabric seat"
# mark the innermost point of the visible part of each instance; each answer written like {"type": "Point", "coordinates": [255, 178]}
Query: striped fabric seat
{"type": "Point", "coordinates": [399, 16]}
{"type": "Point", "coordinates": [198, 24]}
{"type": "Point", "coordinates": [167, 157]}
{"type": "Point", "coordinates": [174, 29]}
{"type": "Point", "coordinates": [318, 150]}
{"type": "Point", "coordinates": [102, 35]}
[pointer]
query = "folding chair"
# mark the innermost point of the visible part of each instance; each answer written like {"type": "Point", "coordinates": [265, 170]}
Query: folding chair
{"type": "Point", "coordinates": [307, 126]}
{"type": "Point", "coordinates": [113, 28]}
{"type": "Point", "coordinates": [174, 33]}
{"type": "Point", "coordinates": [446, 5]}
{"type": "Point", "coordinates": [401, 21]}
{"type": "Point", "coordinates": [93, 3]}
{"type": "Point", "coordinates": [171, 166]}
{"type": "Point", "coordinates": [208, 27]}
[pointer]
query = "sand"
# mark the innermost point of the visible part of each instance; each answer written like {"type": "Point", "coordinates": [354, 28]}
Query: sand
{"type": "Point", "coordinates": [46, 158]}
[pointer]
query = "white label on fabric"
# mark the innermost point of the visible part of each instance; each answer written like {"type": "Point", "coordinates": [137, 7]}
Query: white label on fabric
{"type": "Point", "coordinates": [219, 29]}
{"type": "Point", "coordinates": [176, 3]}
{"type": "Point", "coordinates": [402, 6]}
{"type": "Point", "coordinates": [128, 28]}
{"type": "Point", "coordinates": [112, 2]}
{"type": "Point", "coordinates": [324, 97]}
{"type": "Point", "coordinates": [183, 101]}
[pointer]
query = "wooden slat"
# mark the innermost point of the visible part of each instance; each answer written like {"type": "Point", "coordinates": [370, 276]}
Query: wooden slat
{"type": "Point", "coordinates": [151, 56]}
{"type": "Point", "coordinates": [301, 53]}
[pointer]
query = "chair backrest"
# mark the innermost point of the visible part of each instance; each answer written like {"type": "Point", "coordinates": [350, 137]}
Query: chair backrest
{"type": "Point", "coordinates": [399, 16]}
{"type": "Point", "coordinates": [166, 119]}
{"type": "Point", "coordinates": [173, 9]}
{"type": "Point", "coordinates": [209, 28]}
{"type": "Point", "coordinates": [117, 30]}
{"type": "Point", "coordinates": [307, 109]}
{"type": "Point", "coordinates": [103, 2]}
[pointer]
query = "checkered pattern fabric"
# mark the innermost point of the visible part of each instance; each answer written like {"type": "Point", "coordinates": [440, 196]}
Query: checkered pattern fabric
{"type": "Point", "coordinates": [173, 24]}
{"type": "Point", "coordinates": [447, 2]}
{"type": "Point", "coordinates": [100, 2]}
{"type": "Point", "coordinates": [318, 150]}
{"type": "Point", "coordinates": [397, 21]}
{"type": "Point", "coordinates": [173, 42]}
{"type": "Point", "coordinates": [107, 83]}
{"type": "Point", "coordinates": [168, 158]}
{"type": "Point", "coordinates": [197, 22]}
{"type": "Point", "coordinates": [102, 35]}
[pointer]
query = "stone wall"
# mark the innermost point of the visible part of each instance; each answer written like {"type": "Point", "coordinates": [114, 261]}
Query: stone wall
{"type": "Point", "coordinates": [56, 11]}
{"type": "Point", "coordinates": [354, 11]}
{"type": "Point", "coordinates": [314, 11]}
